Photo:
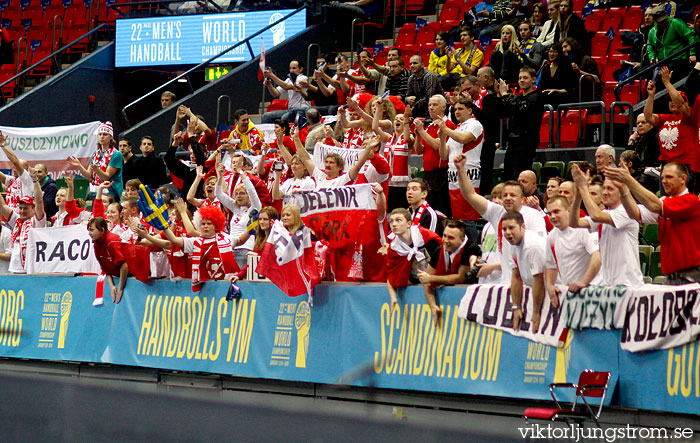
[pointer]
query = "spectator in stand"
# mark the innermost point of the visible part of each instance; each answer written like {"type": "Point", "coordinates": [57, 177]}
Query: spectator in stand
{"type": "Point", "coordinates": [505, 59]}
{"type": "Point", "coordinates": [428, 143]}
{"type": "Point", "coordinates": [604, 157]}
{"type": "Point", "coordinates": [571, 25]}
{"type": "Point", "coordinates": [106, 163]}
{"type": "Point", "coordinates": [490, 263]}
{"type": "Point", "coordinates": [250, 137]}
{"type": "Point", "coordinates": [410, 251]}
{"type": "Point", "coordinates": [678, 133]}
{"type": "Point", "coordinates": [196, 129]}
{"type": "Point", "coordinates": [572, 256]}
{"type": "Point", "coordinates": [131, 162]}
{"type": "Point", "coordinates": [396, 78]}
{"type": "Point", "coordinates": [244, 206]}
{"type": "Point", "coordinates": [117, 258]}
{"type": "Point", "coordinates": [668, 36]}
{"type": "Point", "coordinates": [365, 9]}
{"type": "Point", "coordinates": [384, 69]}
{"type": "Point", "coordinates": [567, 189]}
{"type": "Point", "coordinates": [550, 30]}
{"type": "Point", "coordinates": [645, 142]}
{"type": "Point", "coordinates": [617, 232]}
{"type": "Point", "coordinates": [68, 212]}
{"type": "Point", "coordinates": [449, 266]}
{"type": "Point", "coordinates": [209, 187]}
{"type": "Point", "coordinates": [439, 57]}
{"type": "Point", "coordinates": [324, 97]}
{"type": "Point", "coordinates": [504, 13]}
{"type": "Point", "coordinates": [354, 81]}
{"type": "Point", "coordinates": [296, 94]}
{"type": "Point", "coordinates": [422, 85]}
{"type": "Point", "coordinates": [538, 18]}
{"type": "Point", "coordinates": [490, 117]}
{"type": "Point", "coordinates": [466, 60]}
{"type": "Point", "coordinates": [678, 216]}
{"type": "Point", "coordinates": [630, 160]}
{"type": "Point", "coordinates": [397, 151]}
{"type": "Point", "coordinates": [298, 181]}
{"type": "Point", "coordinates": [595, 188]}
{"type": "Point", "coordinates": [28, 215]}
{"type": "Point", "coordinates": [584, 65]}
{"type": "Point", "coordinates": [557, 80]}
{"type": "Point", "coordinates": [167, 98]}
{"type": "Point", "coordinates": [421, 212]}
{"type": "Point", "coordinates": [528, 266]}
{"type": "Point", "coordinates": [553, 185]}
{"type": "Point", "coordinates": [151, 168]}
{"type": "Point", "coordinates": [512, 200]}
{"type": "Point", "coordinates": [467, 138]}
{"type": "Point", "coordinates": [184, 172]}
{"type": "Point", "coordinates": [268, 215]}
{"type": "Point", "coordinates": [48, 188]}
{"type": "Point", "coordinates": [233, 178]}
{"type": "Point", "coordinates": [212, 252]}
{"type": "Point", "coordinates": [534, 198]}
{"type": "Point", "coordinates": [524, 114]}
{"type": "Point", "coordinates": [314, 132]}
{"type": "Point", "coordinates": [333, 176]}
{"type": "Point", "coordinates": [530, 51]}
{"type": "Point", "coordinates": [112, 213]}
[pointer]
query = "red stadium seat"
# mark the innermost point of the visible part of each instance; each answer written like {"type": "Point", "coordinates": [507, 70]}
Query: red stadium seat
{"type": "Point", "coordinates": [569, 127]}
{"type": "Point", "coordinates": [488, 51]}
{"type": "Point", "coordinates": [13, 13]}
{"type": "Point", "coordinates": [630, 93]}
{"type": "Point", "coordinates": [593, 22]}
{"type": "Point", "coordinates": [278, 105]}
{"type": "Point", "coordinates": [33, 13]}
{"type": "Point", "coordinates": [632, 20]}
{"type": "Point", "coordinates": [76, 30]}
{"type": "Point", "coordinates": [39, 53]}
{"type": "Point", "coordinates": [544, 130]}
{"type": "Point", "coordinates": [599, 45]}
{"type": "Point", "coordinates": [451, 13]}
{"type": "Point", "coordinates": [608, 93]}
{"type": "Point", "coordinates": [51, 11]}
{"type": "Point", "coordinates": [36, 32]}
{"type": "Point", "coordinates": [406, 36]}
{"type": "Point", "coordinates": [6, 73]}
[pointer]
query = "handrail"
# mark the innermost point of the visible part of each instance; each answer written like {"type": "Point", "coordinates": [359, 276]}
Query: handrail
{"type": "Point", "coordinates": [308, 57]}
{"type": "Point", "coordinates": [53, 38]}
{"type": "Point", "coordinates": [580, 85]}
{"type": "Point", "coordinates": [579, 106]}
{"type": "Point", "coordinates": [352, 40]}
{"type": "Point", "coordinates": [614, 105]}
{"type": "Point", "coordinates": [633, 78]}
{"type": "Point", "coordinates": [206, 62]}
{"type": "Point", "coordinates": [218, 109]}
{"type": "Point", "coordinates": [550, 108]}
{"type": "Point", "coordinates": [53, 54]}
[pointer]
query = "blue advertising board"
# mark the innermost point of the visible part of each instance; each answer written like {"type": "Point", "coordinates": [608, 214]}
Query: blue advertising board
{"type": "Point", "coordinates": [192, 39]}
{"type": "Point", "coordinates": [348, 335]}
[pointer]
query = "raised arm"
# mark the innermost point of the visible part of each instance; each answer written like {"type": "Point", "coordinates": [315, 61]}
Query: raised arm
{"type": "Point", "coordinates": [16, 162]}
{"type": "Point", "coordinates": [196, 202]}
{"type": "Point", "coordinates": [304, 156]}
{"type": "Point", "coordinates": [443, 150]}
{"type": "Point", "coordinates": [649, 116]}
{"type": "Point", "coordinates": [38, 197]}
{"type": "Point", "coordinates": [377, 127]}
{"type": "Point", "coordinates": [645, 197]}
{"type": "Point", "coordinates": [594, 211]}
{"type": "Point", "coordinates": [276, 191]}
{"type": "Point", "coordinates": [174, 239]}
{"type": "Point", "coordinates": [181, 208]}
{"type": "Point", "coordinates": [355, 170]}
{"type": "Point", "coordinates": [421, 133]}
{"type": "Point", "coordinates": [5, 210]}
{"type": "Point", "coordinates": [252, 193]}
{"type": "Point", "coordinates": [681, 104]}
{"type": "Point", "coordinates": [477, 201]}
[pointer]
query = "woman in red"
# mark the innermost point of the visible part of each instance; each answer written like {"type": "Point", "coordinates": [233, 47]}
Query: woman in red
{"type": "Point", "coordinates": [117, 258]}
{"type": "Point", "coordinates": [409, 251]}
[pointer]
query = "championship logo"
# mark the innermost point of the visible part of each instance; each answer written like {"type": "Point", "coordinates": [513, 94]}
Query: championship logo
{"type": "Point", "coordinates": [66, 303]}
{"type": "Point", "coordinates": [302, 322]}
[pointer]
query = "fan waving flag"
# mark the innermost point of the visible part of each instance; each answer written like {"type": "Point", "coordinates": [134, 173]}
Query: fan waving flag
{"type": "Point", "coordinates": [261, 71]}
{"type": "Point", "coordinates": [288, 261]}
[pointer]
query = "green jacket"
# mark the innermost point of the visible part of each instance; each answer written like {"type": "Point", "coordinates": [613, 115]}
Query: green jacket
{"type": "Point", "coordinates": [676, 36]}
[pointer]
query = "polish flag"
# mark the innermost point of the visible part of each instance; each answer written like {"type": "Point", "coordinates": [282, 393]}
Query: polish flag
{"type": "Point", "coordinates": [262, 61]}
{"type": "Point", "coordinates": [288, 261]}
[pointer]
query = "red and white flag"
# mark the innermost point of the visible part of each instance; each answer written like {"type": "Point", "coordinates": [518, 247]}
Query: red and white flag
{"type": "Point", "coordinates": [261, 71]}
{"type": "Point", "coordinates": [288, 261]}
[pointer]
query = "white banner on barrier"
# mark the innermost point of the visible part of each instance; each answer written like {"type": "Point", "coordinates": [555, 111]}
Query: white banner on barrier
{"type": "Point", "coordinates": [62, 249]}
{"type": "Point", "coordinates": [596, 307]}
{"type": "Point", "coordinates": [51, 145]}
{"type": "Point", "coordinates": [490, 305]}
{"type": "Point", "coordinates": [661, 317]}
{"type": "Point", "coordinates": [349, 155]}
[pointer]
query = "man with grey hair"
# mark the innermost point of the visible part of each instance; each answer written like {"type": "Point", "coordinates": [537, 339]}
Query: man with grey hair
{"type": "Point", "coordinates": [604, 157]}
{"type": "Point", "coordinates": [315, 129]}
{"type": "Point", "coordinates": [422, 84]}
{"type": "Point", "coordinates": [428, 143]}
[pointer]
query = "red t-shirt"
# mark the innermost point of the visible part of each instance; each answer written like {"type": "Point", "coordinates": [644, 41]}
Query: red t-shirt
{"type": "Point", "coordinates": [111, 253]}
{"type": "Point", "coordinates": [678, 140]}
{"type": "Point", "coordinates": [678, 233]}
{"type": "Point", "coordinates": [431, 157]}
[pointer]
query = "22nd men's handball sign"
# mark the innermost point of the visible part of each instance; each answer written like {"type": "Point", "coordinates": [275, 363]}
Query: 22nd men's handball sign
{"type": "Point", "coordinates": [192, 39]}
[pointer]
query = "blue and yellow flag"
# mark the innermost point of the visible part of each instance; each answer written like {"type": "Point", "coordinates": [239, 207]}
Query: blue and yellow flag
{"type": "Point", "coordinates": [153, 208]}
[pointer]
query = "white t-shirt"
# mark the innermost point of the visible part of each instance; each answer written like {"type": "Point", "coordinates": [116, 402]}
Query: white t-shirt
{"type": "Point", "coordinates": [473, 165]}
{"type": "Point", "coordinates": [528, 257]}
{"type": "Point", "coordinates": [296, 100]}
{"type": "Point", "coordinates": [569, 252]}
{"type": "Point", "coordinates": [5, 248]}
{"type": "Point", "coordinates": [322, 180]}
{"type": "Point", "coordinates": [293, 185]}
{"type": "Point", "coordinates": [490, 253]}
{"type": "Point", "coordinates": [534, 221]}
{"type": "Point", "coordinates": [18, 265]}
{"type": "Point", "coordinates": [619, 249]}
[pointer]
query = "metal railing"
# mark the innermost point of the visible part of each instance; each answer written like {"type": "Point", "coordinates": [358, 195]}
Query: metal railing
{"type": "Point", "coordinates": [52, 55]}
{"type": "Point", "coordinates": [614, 105]}
{"type": "Point", "coordinates": [642, 73]}
{"type": "Point", "coordinates": [550, 109]}
{"type": "Point", "coordinates": [207, 62]}
{"type": "Point", "coordinates": [218, 110]}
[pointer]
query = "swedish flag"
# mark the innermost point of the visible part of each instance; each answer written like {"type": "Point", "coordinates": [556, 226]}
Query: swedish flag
{"type": "Point", "coordinates": [588, 8]}
{"type": "Point", "coordinates": [153, 208]}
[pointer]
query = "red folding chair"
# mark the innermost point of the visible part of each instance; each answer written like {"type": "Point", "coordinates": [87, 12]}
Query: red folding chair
{"type": "Point", "coordinates": [591, 385]}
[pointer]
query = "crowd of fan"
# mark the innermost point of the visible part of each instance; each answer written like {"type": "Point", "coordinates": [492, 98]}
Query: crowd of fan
{"type": "Point", "coordinates": [426, 231]}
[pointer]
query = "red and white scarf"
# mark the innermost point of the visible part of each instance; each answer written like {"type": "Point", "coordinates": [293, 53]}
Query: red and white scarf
{"type": "Point", "coordinates": [14, 192]}
{"type": "Point", "coordinates": [20, 231]}
{"type": "Point", "coordinates": [228, 261]}
{"type": "Point", "coordinates": [410, 251]}
{"type": "Point", "coordinates": [100, 159]}
{"type": "Point", "coordinates": [419, 213]}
